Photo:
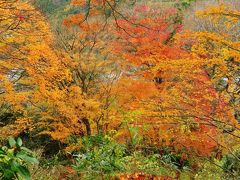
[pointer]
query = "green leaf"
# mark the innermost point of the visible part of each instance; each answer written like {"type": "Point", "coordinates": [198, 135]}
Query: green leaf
{"type": "Point", "coordinates": [4, 148]}
{"type": "Point", "coordinates": [2, 152]}
{"type": "Point", "coordinates": [26, 149]}
{"type": "Point", "coordinates": [3, 166]}
{"type": "Point", "coordinates": [8, 174]}
{"type": "Point", "coordinates": [5, 169]}
{"type": "Point", "coordinates": [14, 164]}
{"type": "Point", "coordinates": [19, 142]}
{"type": "Point", "coordinates": [23, 172]}
{"type": "Point", "coordinates": [27, 158]}
{"type": "Point", "coordinates": [108, 13]}
{"type": "Point", "coordinates": [11, 141]}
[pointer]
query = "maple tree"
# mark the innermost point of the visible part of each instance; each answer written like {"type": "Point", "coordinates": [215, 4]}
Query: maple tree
{"type": "Point", "coordinates": [15, 50]}
{"type": "Point", "coordinates": [149, 48]}
{"type": "Point", "coordinates": [48, 96]}
{"type": "Point", "coordinates": [124, 71]}
{"type": "Point", "coordinates": [94, 68]}
{"type": "Point", "coordinates": [225, 48]}
{"type": "Point", "coordinates": [188, 101]}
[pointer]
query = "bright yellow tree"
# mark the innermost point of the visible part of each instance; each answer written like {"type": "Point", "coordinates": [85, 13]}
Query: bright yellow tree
{"type": "Point", "coordinates": [36, 82]}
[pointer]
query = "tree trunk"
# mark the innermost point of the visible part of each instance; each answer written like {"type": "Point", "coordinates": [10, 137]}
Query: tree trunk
{"type": "Point", "coordinates": [87, 125]}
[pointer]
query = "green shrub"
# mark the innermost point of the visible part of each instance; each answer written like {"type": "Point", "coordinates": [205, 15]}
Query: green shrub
{"type": "Point", "coordinates": [150, 164]}
{"type": "Point", "coordinates": [99, 158]}
{"type": "Point", "coordinates": [14, 160]}
{"type": "Point", "coordinates": [103, 158]}
{"type": "Point", "coordinates": [231, 164]}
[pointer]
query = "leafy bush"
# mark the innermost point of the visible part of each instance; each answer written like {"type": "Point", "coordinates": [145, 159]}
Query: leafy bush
{"type": "Point", "coordinates": [150, 164]}
{"type": "Point", "coordinates": [175, 161]}
{"type": "Point", "coordinates": [210, 169]}
{"type": "Point", "coordinates": [102, 158]}
{"type": "Point", "coordinates": [14, 160]}
{"type": "Point", "coordinates": [99, 157]}
{"type": "Point", "coordinates": [231, 164]}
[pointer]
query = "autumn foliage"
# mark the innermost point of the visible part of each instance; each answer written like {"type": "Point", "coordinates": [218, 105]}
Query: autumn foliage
{"type": "Point", "coordinates": [114, 66]}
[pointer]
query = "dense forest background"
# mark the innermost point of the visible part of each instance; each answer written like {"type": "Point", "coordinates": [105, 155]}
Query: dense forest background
{"type": "Point", "coordinates": [119, 89]}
